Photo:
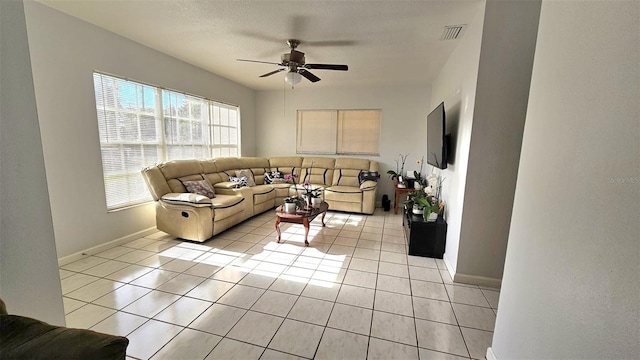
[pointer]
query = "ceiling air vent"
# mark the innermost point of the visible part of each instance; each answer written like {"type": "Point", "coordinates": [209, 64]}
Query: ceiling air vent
{"type": "Point", "coordinates": [453, 32]}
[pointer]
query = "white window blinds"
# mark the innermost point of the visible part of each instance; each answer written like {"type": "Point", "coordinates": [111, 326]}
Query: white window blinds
{"type": "Point", "coordinates": [316, 132]}
{"type": "Point", "coordinates": [359, 132]}
{"type": "Point", "coordinates": [338, 132]}
{"type": "Point", "coordinates": [140, 125]}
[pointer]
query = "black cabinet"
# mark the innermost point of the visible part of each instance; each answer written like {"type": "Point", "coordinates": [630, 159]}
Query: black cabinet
{"type": "Point", "coordinates": [425, 238]}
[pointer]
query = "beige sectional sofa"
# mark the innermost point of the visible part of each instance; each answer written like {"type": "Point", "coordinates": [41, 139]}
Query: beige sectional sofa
{"type": "Point", "coordinates": [196, 217]}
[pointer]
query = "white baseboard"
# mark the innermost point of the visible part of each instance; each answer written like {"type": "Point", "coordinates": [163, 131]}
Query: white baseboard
{"type": "Point", "coordinates": [450, 268]}
{"type": "Point", "coordinates": [478, 280]}
{"type": "Point", "coordinates": [490, 355]}
{"type": "Point", "coordinates": [471, 279]}
{"type": "Point", "coordinates": [106, 246]}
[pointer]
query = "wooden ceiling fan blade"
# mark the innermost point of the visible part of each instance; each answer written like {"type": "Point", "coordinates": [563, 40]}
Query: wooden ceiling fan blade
{"type": "Point", "coordinates": [260, 62]}
{"type": "Point", "coordinates": [327, 67]}
{"type": "Point", "coordinates": [309, 75]}
{"type": "Point", "coordinates": [271, 73]}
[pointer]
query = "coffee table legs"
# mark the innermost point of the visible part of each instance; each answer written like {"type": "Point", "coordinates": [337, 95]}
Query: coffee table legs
{"type": "Point", "coordinates": [305, 222]}
{"type": "Point", "coordinates": [278, 227]}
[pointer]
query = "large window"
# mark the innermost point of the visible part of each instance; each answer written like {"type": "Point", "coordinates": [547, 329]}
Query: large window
{"type": "Point", "coordinates": [141, 125]}
{"type": "Point", "coordinates": [338, 132]}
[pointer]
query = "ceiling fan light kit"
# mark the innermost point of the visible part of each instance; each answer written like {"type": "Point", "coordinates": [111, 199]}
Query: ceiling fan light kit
{"type": "Point", "coordinates": [294, 62]}
{"type": "Point", "coordinates": [292, 78]}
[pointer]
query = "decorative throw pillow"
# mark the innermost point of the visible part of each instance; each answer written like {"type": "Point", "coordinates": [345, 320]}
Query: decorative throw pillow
{"type": "Point", "coordinates": [273, 177]}
{"type": "Point", "coordinates": [368, 175]}
{"type": "Point", "coordinates": [241, 180]}
{"type": "Point", "coordinates": [247, 174]}
{"type": "Point", "coordinates": [200, 187]}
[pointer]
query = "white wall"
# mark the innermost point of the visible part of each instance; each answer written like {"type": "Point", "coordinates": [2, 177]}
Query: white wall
{"type": "Point", "coordinates": [404, 112]}
{"type": "Point", "coordinates": [29, 278]}
{"type": "Point", "coordinates": [571, 286]}
{"type": "Point", "coordinates": [485, 86]}
{"type": "Point", "coordinates": [504, 74]}
{"type": "Point", "coordinates": [456, 86]}
{"type": "Point", "coordinates": [65, 51]}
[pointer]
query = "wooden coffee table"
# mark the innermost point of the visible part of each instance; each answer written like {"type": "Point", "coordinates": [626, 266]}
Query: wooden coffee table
{"type": "Point", "coordinates": [303, 217]}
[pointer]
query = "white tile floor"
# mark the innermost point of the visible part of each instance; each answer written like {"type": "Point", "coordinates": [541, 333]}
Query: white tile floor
{"type": "Point", "coordinates": [353, 294]}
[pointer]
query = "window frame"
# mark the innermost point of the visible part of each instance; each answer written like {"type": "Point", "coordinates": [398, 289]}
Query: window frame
{"type": "Point", "coordinates": [327, 140]}
{"type": "Point", "coordinates": [123, 181]}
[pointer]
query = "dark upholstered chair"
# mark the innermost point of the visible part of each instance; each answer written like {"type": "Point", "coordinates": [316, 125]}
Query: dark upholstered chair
{"type": "Point", "coordinates": [26, 338]}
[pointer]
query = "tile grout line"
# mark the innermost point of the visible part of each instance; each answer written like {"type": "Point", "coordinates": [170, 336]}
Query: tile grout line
{"type": "Point", "coordinates": [291, 265]}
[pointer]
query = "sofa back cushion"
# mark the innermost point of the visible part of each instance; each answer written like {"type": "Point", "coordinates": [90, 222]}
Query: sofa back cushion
{"type": "Point", "coordinates": [178, 168]}
{"type": "Point", "coordinates": [177, 185]}
{"type": "Point", "coordinates": [166, 177]}
{"type": "Point", "coordinates": [317, 170]}
{"type": "Point", "coordinates": [286, 164]}
{"type": "Point", "coordinates": [257, 166]}
{"type": "Point", "coordinates": [227, 166]}
{"type": "Point", "coordinates": [347, 170]}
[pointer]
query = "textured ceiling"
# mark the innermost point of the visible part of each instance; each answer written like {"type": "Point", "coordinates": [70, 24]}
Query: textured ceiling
{"type": "Point", "coordinates": [383, 42]}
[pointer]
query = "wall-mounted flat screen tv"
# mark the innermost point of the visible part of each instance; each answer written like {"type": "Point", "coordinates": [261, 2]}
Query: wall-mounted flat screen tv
{"type": "Point", "coordinates": [437, 141]}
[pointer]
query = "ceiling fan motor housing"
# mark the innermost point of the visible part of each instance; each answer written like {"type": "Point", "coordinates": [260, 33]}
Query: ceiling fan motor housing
{"type": "Point", "coordinates": [286, 59]}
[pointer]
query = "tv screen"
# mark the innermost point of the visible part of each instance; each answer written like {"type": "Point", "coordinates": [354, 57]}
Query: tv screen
{"type": "Point", "coordinates": [436, 139]}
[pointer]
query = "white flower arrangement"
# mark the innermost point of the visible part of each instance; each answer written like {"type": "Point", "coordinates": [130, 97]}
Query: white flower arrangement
{"type": "Point", "coordinates": [434, 185]}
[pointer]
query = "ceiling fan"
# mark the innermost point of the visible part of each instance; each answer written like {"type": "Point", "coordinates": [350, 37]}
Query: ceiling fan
{"type": "Point", "coordinates": [294, 62]}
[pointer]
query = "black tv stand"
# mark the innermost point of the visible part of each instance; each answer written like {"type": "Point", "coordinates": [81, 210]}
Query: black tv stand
{"type": "Point", "coordinates": [425, 238]}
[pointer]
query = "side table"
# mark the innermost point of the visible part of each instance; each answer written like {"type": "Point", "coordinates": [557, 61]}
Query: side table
{"type": "Point", "coordinates": [399, 192]}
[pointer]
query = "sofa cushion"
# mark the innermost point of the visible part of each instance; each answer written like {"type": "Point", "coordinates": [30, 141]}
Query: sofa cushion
{"type": "Point", "coordinates": [226, 185]}
{"type": "Point", "coordinates": [179, 168]}
{"type": "Point", "coordinates": [343, 193]}
{"type": "Point", "coordinates": [240, 181]}
{"type": "Point", "coordinates": [368, 175]}
{"type": "Point", "coordinates": [274, 177]}
{"type": "Point", "coordinates": [368, 185]}
{"type": "Point", "coordinates": [347, 170]}
{"type": "Point", "coordinates": [200, 187]}
{"type": "Point", "coordinates": [283, 163]}
{"type": "Point", "coordinates": [261, 189]}
{"type": "Point", "coordinates": [26, 338]}
{"type": "Point", "coordinates": [262, 194]}
{"type": "Point", "coordinates": [248, 174]}
{"type": "Point", "coordinates": [346, 177]}
{"type": "Point", "coordinates": [281, 190]}
{"type": "Point", "coordinates": [317, 170]}
{"type": "Point", "coordinates": [190, 199]}
{"type": "Point", "coordinates": [225, 201]}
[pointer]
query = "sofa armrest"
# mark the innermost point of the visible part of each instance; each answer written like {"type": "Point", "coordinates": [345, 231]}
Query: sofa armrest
{"type": "Point", "coordinates": [225, 185]}
{"type": "Point", "coordinates": [190, 199]}
{"type": "Point", "coordinates": [26, 338]}
{"type": "Point", "coordinates": [368, 185]}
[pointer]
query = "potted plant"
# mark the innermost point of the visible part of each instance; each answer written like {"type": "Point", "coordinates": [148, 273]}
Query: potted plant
{"type": "Point", "coordinates": [396, 175]}
{"type": "Point", "coordinates": [291, 204]}
{"type": "Point", "coordinates": [430, 208]}
{"type": "Point", "coordinates": [415, 201]}
{"type": "Point", "coordinates": [312, 195]}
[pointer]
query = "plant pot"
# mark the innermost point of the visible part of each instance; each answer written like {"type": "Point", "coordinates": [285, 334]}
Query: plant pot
{"type": "Point", "coordinates": [432, 217]}
{"type": "Point", "coordinates": [417, 210]}
{"type": "Point", "coordinates": [401, 184]}
{"type": "Point", "coordinates": [315, 202]}
{"type": "Point", "coordinates": [289, 208]}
